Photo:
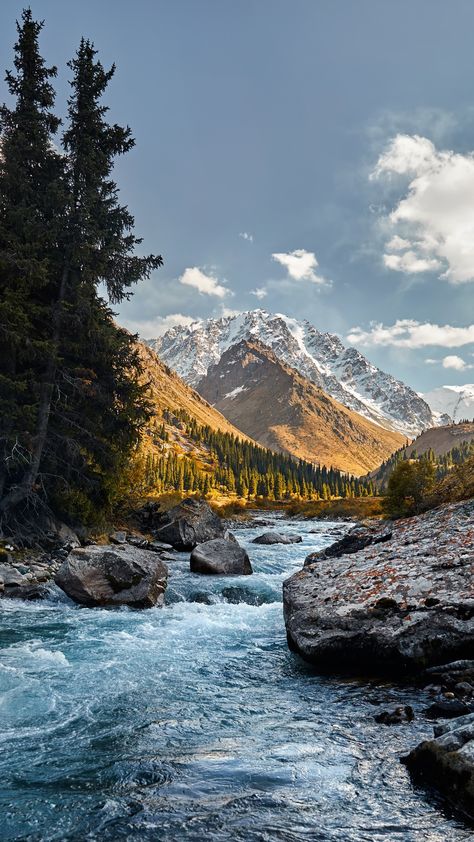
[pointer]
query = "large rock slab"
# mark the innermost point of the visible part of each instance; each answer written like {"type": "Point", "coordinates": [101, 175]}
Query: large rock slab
{"type": "Point", "coordinates": [189, 523]}
{"type": "Point", "coordinates": [277, 538]}
{"type": "Point", "coordinates": [113, 575]}
{"type": "Point", "coordinates": [447, 762]}
{"type": "Point", "coordinates": [220, 558]}
{"type": "Point", "coordinates": [399, 604]}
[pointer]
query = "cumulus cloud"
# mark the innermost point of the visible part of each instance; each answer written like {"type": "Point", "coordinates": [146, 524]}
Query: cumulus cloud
{"type": "Point", "coordinates": [455, 362]}
{"type": "Point", "coordinates": [246, 236]}
{"type": "Point", "coordinates": [432, 225]}
{"type": "Point", "coordinates": [206, 284]}
{"type": "Point", "coordinates": [259, 292]}
{"type": "Point", "coordinates": [300, 265]}
{"type": "Point", "coordinates": [227, 312]}
{"type": "Point", "coordinates": [408, 333]}
{"type": "Point", "coordinates": [151, 328]}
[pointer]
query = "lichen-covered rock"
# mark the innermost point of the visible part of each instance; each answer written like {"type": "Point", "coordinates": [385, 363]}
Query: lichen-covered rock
{"type": "Point", "coordinates": [189, 523]}
{"type": "Point", "coordinates": [447, 762]}
{"type": "Point", "coordinates": [220, 558]}
{"type": "Point", "coordinates": [277, 538]}
{"type": "Point", "coordinates": [113, 575]}
{"type": "Point", "coordinates": [398, 604]}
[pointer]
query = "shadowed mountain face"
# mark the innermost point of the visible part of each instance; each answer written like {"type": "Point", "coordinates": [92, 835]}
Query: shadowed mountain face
{"type": "Point", "coordinates": [344, 373]}
{"type": "Point", "coordinates": [278, 407]}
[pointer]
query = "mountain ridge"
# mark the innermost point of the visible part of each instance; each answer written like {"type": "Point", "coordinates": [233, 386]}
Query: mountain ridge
{"type": "Point", "coordinates": [280, 409]}
{"type": "Point", "coordinates": [343, 373]}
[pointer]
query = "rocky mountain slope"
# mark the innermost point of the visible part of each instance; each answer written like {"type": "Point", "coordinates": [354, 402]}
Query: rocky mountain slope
{"type": "Point", "coordinates": [282, 410]}
{"type": "Point", "coordinates": [344, 373]}
{"type": "Point", "coordinates": [170, 397]}
{"type": "Point", "coordinates": [456, 402]}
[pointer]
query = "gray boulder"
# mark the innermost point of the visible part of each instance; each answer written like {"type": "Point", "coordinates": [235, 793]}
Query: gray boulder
{"type": "Point", "coordinates": [220, 557]}
{"type": "Point", "coordinates": [447, 762]}
{"type": "Point", "coordinates": [277, 538]}
{"type": "Point", "coordinates": [113, 575]}
{"type": "Point", "coordinates": [397, 605]}
{"type": "Point", "coordinates": [189, 523]}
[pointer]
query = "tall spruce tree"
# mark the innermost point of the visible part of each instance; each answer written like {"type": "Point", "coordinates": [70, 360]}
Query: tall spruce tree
{"type": "Point", "coordinates": [32, 213]}
{"type": "Point", "coordinates": [71, 375]}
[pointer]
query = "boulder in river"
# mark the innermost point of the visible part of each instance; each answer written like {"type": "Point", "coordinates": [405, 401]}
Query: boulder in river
{"type": "Point", "coordinates": [396, 605]}
{"type": "Point", "coordinates": [277, 538]}
{"type": "Point", "coordinates": [446, 762]}
{"type": "Point", "coordinates": [113, 575]}
{"type": "Point", "coordinates": [189, 523]}
{"type": "Point", "coordinates": [221, 558]}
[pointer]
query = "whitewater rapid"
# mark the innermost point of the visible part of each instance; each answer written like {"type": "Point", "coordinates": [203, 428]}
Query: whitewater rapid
{"type": "Point", "coordinates": [195, 722]}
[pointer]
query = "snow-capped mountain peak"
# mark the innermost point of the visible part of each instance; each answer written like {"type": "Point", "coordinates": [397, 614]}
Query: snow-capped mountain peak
{"type": "Point", "coordinates": [457, 402]}
{"type": "Point", "coordinates": [344, 373]}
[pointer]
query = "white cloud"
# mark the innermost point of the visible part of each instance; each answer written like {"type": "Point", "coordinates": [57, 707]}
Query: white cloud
{"type": "Point", "coordinates": [433, 224]}
{"type": "Point", "coordinates": [455, 362]}
{"type": "Point", "coordinates": [246, 236]}
{"type": "Point", "coordinates": [408, 333]}
{"type": "Point", "coordinates": [151, 328]}
{"type": "Point", "coordinates": [227, 312]}
{"type": "Point", "coordinates": [300, 265]}
{"type": "Point", "coordinates": [259, 292]}
{"type": "Point", "coordinates": [205, 284]}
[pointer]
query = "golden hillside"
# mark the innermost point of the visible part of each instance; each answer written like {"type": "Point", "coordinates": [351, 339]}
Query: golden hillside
{"type": "Point", "coordinates": [280, 409]}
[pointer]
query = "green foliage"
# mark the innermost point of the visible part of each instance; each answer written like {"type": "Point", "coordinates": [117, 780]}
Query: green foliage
{"type": "Point", "coordinates": [410, 484]}
{"type": "Point", "coordinates": [243, 468]}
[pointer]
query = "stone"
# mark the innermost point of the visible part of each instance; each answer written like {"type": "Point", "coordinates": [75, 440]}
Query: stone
{"type": "Point", "coordinates": [29, 593]}
{"type": "Point", "coordinates": [366, 611]}
{"type": "Point", "coordinates": [113, 575]}
{"type": "Point", "coordinates": [189, 523]}
{"type": "Point", "coordinates": [220, 558]}
{"type": "Point", "coordinates": [353, 541]}
{"type": "Point", "coordinates": [396, 715]}
{"type": "Point", "coordinates": [446, 762]}
{"type": "Point", "coordinates": [277, 538]}
{"type": "Point", "coordinates": [236, 596]}
{"type": "Point", "coordinates": [10, 576]}
{"type": "Point", "coordinates": [118, 537]}
{"type": "Point", "coordinates": [447, 708]}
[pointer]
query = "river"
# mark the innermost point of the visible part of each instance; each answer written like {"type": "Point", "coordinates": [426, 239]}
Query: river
{"type": "Point", "coordinates": [195, 722]}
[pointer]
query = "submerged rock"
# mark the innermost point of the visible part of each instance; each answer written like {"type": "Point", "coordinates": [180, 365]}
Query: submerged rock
{"type": "Point", "coordinates": [113, 575]}
{"type": "Point", "coordinates": [220, 557]}
{"type": "Point", "coordinates": [236, 596]}
{"type": "Point", "coordinates": [447, 762]}
{"type": "Point", "coordinates": [396, 605]}
{"type": "Point", "coordinates": [189, 523]}
{"type": "Point", "coordinates": [277, 538]}
{"type": "Point", "coordinates": [396, 715]}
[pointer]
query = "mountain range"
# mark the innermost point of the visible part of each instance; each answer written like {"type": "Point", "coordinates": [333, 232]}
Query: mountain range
{"type": "Point", "coordinates": [284, 411]}
{"type": "Point", "coordinates": [342, 372]}
{"type": "Point", "coordinates": [453, 402]}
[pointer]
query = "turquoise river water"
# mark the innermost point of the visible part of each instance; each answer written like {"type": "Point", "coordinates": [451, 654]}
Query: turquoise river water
{"type": "Point", "coordinates": [195, 722]}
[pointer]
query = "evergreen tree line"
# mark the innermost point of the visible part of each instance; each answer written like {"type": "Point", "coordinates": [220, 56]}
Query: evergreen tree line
{"type": "Point", "coordinates": [71, 411]}
{"type": "Point", "coordinates": [243, 468]}
{"type": "Point", "coordinates": [442, 464]}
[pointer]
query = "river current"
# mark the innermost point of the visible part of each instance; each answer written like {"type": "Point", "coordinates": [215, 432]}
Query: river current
{"type": "Point", "coordinates": [195, 722]}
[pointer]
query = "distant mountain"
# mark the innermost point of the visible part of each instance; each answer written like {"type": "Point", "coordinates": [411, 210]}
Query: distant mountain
{"type": "Point", "coordinates": [344, 373]}
{"type": "Point", "coordinates": [455, 402]}
{"type": "Point", "coordinates": [282, 410]}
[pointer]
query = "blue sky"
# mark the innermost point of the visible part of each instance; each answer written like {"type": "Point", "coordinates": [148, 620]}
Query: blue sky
{"type": "Point", "coordinates": [336, 136]}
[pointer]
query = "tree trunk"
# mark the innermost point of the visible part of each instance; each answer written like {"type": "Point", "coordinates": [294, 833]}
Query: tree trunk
{"type": "Point", "coordinates": [24, 489]}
